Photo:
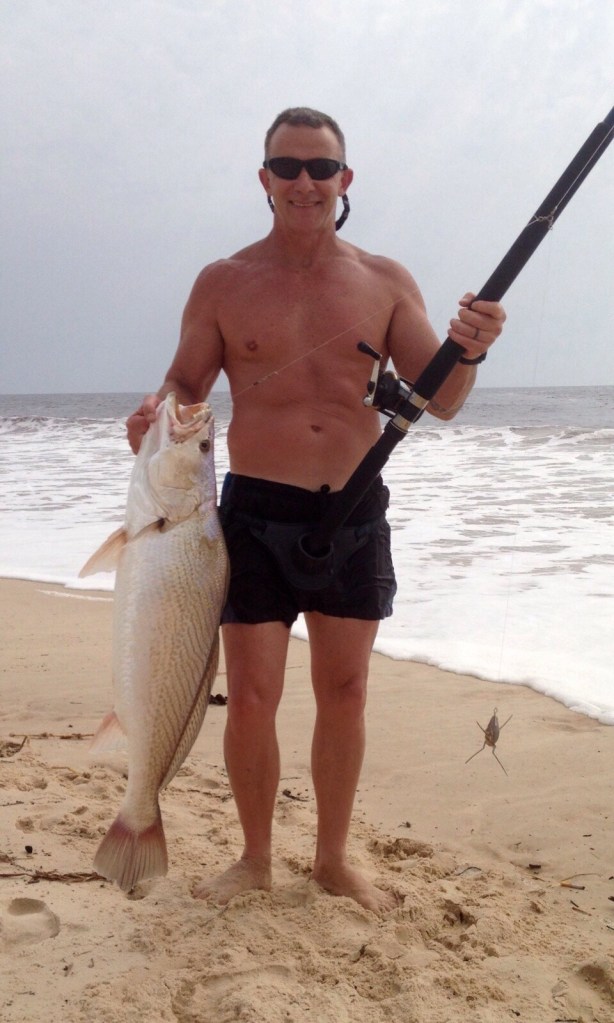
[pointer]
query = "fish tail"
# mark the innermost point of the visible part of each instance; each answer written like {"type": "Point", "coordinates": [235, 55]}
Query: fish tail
{"type": "Point", "coordinates": [128, 856]}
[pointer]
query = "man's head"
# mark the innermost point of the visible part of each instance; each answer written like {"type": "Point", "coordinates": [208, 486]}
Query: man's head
{"type": "Point", "coordinates": [304, 171]}
{"type": "Point", "coordinates": [304, 117]}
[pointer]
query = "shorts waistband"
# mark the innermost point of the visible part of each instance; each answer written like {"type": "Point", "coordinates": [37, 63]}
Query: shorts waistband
{"type": "Point", "coordinates": [283, 502]}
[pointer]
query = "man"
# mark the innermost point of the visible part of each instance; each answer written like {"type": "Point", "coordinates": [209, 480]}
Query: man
{"type": "Point", "coordinates": [282, 318]}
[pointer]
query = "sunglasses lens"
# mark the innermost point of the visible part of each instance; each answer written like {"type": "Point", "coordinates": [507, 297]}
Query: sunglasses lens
{"type": "Point", "coordinates": [321, 169]}
{"type": "Point", "coordinates": [289, 168]}
{"type": "Point", "coordinates": [286, 167]}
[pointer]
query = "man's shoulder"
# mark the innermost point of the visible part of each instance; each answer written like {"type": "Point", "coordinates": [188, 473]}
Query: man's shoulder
{"type": "Point", "coordinates": [379, 262]}
{"type": "Point", "coordinates": [222, 272]}
{"type": "Point", "coordinates": [235, 263]}
{"type": "Point", "coordinates": [379, 266]}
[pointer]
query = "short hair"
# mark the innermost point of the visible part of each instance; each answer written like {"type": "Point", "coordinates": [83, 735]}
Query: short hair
{"type": "Point", "coordinates": [304, 117]}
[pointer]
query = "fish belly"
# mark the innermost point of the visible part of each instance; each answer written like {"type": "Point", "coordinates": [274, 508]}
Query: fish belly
{"type": "Point", "coordinates": [170, 589]}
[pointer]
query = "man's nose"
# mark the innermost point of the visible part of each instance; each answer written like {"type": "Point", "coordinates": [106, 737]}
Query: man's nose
{"type": "Point", "coordinates": [303, 179]}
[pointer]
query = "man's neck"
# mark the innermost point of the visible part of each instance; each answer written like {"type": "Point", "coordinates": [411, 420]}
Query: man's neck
{"type": "Point", "coordinates": [301, 251]}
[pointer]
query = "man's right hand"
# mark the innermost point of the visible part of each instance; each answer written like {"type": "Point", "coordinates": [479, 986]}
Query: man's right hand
{"type": "Point", "coordinates": [139, 422]}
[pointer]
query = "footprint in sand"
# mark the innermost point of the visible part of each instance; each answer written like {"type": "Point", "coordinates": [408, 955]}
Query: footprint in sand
{"type": "Point", "coordinates": [27, 921]}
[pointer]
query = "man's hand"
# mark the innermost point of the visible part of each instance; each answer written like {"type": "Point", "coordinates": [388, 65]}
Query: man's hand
{"type": "Point", "coordinates": [477, 326]}
{"type": "Point", "coordinates": [139, 422]}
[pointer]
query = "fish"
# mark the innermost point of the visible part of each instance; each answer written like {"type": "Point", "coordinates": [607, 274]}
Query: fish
{"type": "Point", "coordinates": [170, 588]}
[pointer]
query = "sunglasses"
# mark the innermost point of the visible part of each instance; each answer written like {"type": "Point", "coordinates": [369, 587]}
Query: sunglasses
{"type": "Point", "coordinates": [289, 168]}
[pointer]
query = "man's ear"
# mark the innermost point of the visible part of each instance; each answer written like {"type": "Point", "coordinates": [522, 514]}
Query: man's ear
{"type": "Point", "coordinates": [347, 176]}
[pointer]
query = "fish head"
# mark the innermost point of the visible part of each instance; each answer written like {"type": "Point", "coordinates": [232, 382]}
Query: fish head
{"type": "Point", "coordinates": [174, 472]}
{"type": "Point", "coordinates": [180, 472]}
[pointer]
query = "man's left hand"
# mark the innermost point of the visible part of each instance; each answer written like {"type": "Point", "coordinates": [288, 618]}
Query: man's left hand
{"type": "Point", "coordinates": [477, 325]}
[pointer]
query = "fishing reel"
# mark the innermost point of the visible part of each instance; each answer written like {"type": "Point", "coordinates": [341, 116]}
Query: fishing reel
{"type": "Point", "coordinates": [387, 392]}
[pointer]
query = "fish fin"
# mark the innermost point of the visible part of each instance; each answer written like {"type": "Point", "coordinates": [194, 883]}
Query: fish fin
{"type": "Point", "coordinates": [106, 557]}
{"type": "Point", "coordinates": [197, 713]}
{"type": "Point", "coordinates": [127, 856]}
{"type": "Point", "coordinates": [110, 736]}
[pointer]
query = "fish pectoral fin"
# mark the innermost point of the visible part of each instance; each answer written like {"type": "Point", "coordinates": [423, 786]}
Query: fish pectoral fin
{"type": "Point", "coordinates": [110, 736]}
{"type": "Point", "coordinates": [106, 557]}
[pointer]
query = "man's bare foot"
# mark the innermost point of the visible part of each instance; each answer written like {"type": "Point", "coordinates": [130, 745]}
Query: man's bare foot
{"type": "Point", "coordinates": [345, 880]}
{"type": "Point", "coordinates": [243, 876]}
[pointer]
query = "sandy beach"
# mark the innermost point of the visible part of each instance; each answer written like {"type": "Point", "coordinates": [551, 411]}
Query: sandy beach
{"type": "Point", "coordinates": [506, 880]}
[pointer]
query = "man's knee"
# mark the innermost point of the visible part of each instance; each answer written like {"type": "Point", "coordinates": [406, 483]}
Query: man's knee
{"type": "Point", "coordinates": [347, 693]}
{"type": "Point", "coordinates": [251, 701]}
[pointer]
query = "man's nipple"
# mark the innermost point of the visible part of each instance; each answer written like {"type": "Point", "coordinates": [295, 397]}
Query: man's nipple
{"type": "Point", "coordinates": [252, 346]}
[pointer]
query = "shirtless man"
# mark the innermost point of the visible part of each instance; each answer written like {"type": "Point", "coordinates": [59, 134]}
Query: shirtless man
{"type": "Point", "coordinates": [282, 318]}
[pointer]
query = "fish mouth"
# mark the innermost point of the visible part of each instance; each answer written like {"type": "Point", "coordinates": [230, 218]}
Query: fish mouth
{"type": "Point", "coordinates": [186, 420]}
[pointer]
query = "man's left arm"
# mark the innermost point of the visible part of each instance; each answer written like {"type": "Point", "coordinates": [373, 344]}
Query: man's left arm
{"type": "Point", "coordinates": [412, 343]}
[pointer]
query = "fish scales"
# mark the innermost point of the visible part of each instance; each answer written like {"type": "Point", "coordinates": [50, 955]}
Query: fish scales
{"type": "Point", "coordinates": [170, 589]}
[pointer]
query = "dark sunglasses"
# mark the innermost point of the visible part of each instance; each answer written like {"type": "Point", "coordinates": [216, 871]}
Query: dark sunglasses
{"type": "Point", "coordinates": [289, 168]}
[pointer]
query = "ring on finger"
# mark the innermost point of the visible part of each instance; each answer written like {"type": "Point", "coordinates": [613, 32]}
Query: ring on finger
{"type": "Point", "coordinates": [477, 334]}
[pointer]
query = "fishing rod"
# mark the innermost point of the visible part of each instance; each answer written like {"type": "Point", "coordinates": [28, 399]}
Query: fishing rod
{"type": "Point", "coordinates": [312, 554]}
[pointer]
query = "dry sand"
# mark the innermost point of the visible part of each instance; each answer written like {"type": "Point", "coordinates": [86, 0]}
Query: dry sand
{"type": "Point", "coordinates": [486, 931]}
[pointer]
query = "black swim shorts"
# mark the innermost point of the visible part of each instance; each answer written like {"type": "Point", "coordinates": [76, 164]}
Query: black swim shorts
{"type": "Point", "coordinates": [363, 586]}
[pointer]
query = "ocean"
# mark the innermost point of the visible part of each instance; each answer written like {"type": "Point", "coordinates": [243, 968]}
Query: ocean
{"type": "Point", "coordinates": [502, 522]}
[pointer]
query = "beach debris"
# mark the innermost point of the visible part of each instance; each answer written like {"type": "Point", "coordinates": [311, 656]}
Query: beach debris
{"type": "Point", "coordinates": [289, 794]}
{"type": "Point", "coordinates": [571, 882]}
{"type": "Point", "coordinates": [52, 735]}
{"type": "Point", "coordinates": [9, 749]}
{"type": "Point", "coordinates": [170, 588]}
{"type": "Point", "coordinates": [468, 871]}
{"type": "Point", "coordinates": [574, 905]}
{"type": "Point", "coordinates": [34, 876]}
{"type": "Point", "coordinates": [491, 737]}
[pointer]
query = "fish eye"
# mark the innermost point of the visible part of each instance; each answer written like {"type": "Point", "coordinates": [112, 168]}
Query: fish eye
{"type": "Point", "coordinates": [204, 445]}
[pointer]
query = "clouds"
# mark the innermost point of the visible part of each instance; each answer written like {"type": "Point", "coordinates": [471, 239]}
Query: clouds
{"type": "Point", "coordinates": [133, 132]}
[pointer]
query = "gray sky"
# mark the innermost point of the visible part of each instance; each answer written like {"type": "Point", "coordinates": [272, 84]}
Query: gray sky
{"type": "Point", "coordinates": [132, 132]}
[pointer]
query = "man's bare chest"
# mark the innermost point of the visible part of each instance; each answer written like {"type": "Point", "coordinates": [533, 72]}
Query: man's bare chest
{"type": "Point", "coordinates": [285, 318]}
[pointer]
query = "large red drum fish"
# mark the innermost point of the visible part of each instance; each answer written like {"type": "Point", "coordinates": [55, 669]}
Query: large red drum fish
{"type": "Point", "coordinates": [172, 572]}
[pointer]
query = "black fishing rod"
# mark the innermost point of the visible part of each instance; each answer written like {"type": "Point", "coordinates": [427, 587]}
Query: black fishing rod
{"type": "Point", "coordinates": [312, 554]}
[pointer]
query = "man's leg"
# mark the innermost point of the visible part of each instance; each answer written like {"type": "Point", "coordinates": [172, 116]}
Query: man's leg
{"type": "Point", "coordinates": [340, 653]}
{"type": "Point", "coordinates": [255, 665]}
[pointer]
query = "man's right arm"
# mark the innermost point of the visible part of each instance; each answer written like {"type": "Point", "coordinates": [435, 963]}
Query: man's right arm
{"type": "Point", "coordinates": [198, 359]}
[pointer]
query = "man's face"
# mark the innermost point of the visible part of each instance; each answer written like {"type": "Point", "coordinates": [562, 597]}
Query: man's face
{"type": "Point", "coordinates": [305, 204]}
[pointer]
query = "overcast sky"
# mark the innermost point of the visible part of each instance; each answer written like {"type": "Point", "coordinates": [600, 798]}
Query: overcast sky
{"type": "Point", "coordinates": [132, 133]}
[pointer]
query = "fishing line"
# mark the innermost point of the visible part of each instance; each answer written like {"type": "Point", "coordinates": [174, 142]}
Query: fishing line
{"type": "Point", "coordinates": [504, 275]}
{"type": "Point", "coordinates": [311, 553]}
{"type": "Point", "coordinates": [323, 344]}
{"type": "Point", "coordinates": [591, 160]}
{"type": "Point", "coordinates": [545, 290]}
{"type": "Point", "coordinates": [549, 218]}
